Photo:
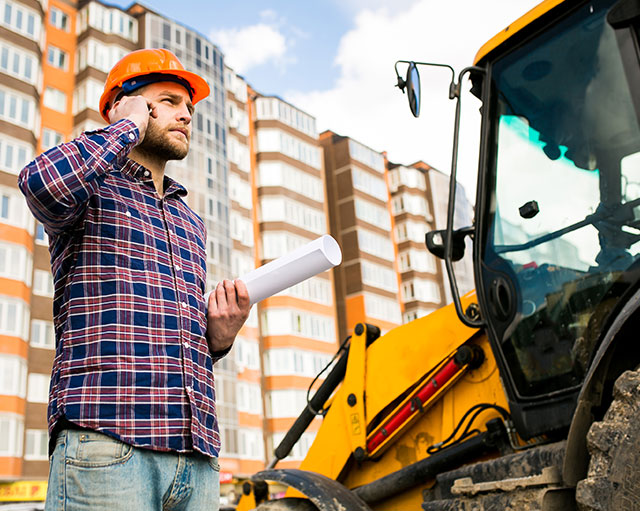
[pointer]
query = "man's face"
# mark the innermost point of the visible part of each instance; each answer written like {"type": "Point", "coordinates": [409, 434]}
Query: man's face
{"type": "Point", "coordinates": [169, 133]}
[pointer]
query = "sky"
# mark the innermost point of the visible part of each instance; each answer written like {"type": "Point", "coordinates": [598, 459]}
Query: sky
{"type": "Point", "coordinates": [334, 59]}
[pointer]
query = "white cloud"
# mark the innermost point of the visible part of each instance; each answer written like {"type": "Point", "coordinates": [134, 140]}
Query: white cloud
{"type": "Point", "coordinates": [253, 45]}
{"type": "Point", "coordinates": [365, 105]}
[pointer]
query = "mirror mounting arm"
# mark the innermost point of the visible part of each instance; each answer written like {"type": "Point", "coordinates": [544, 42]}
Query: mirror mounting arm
{"type": "Point", "coordinates": [402, 83]}
{"type": "Point", "coordinates": [448, 241]}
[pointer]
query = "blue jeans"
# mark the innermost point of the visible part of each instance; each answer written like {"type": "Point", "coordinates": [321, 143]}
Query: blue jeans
{"type": "Point", "coordinates": [90, 471]}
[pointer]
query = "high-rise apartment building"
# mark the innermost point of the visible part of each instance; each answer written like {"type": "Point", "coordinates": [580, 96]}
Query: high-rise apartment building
{"type": "Point", "coordinates": [366, 282]}
{"type": "Point", "coordinates": [298, 326]}
{"type": "Point", "coordinates": [239, 375]}
{"type": "Point", "coordinates": [438, 184]}
{"type": "Point", "coordinates": [422, 282]}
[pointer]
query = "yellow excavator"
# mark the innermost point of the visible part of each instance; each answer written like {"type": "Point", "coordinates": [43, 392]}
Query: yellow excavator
{"type": "Point", "coordinates": [524, 395]}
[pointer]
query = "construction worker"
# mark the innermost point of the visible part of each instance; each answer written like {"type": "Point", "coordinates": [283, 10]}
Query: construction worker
{"type": "Point", "coordinates": [132, 411]}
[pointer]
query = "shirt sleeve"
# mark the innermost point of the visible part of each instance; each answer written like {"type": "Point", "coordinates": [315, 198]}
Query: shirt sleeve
{"type": "Point", "coordinates": [59, 182]}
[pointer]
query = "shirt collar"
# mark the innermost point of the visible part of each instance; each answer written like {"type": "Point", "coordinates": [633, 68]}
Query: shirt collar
{"type": "Point", "coordinates": [141, 173]}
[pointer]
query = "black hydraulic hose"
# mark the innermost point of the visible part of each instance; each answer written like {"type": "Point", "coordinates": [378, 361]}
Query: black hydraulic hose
{"type": "Point", "coordinates": [317, 401]}
{"type": "Point", "coordinates": [444, 460]}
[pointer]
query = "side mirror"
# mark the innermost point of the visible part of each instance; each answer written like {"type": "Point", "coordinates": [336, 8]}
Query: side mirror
{"type": "Point", "coordinates": [435, 242]}
{"type": "Point", "coordinates": [413, 89]}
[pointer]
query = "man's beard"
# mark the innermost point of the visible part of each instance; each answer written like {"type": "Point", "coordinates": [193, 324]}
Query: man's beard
{"type": "Point", "coordinates": [159, 144]}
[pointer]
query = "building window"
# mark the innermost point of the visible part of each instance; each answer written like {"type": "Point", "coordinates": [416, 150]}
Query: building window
{"type": "Point", "coordinates": [273, 108]}
{"type": "Point", "coordinates": [315, 289]}
{"type": "Point", "coordinates": [241, 263]}
{"type": "Point", "coordinates": [372, 213]}
{"type": "Point", "coordinates": [87, 95]}
{"type": "Point", "coordinates": [21, 19]}
{"type": "Point", "coordinates": [294, 362]}
{"type": "Point", "coordinates": [17, 109]}
{"type": "Point", "coordinates": [366, 156]}
{"type": "Point", "coordinates": [42, 283]}
{"type": "Point", "coordinates": [55, 99]}
{"type": "Point", "coordinates": [241, 229]}
{"type": "Point", "coordinates": [298, 323]}
{"type": "Point", "coordinates": [409, 177]}
{"type": "Point", "coordinates": [272, 173]}
{"type": "Point", "coordinates": [240, 191]}
{"type": "Point", "coordinates": [369, 184]}
{"type": "Point", "coordinates": [379, 276]}
{"type": "Point", "coordinates": [229, 440]}
{"type": "Point", "coordinates": [18, 63]}
{"type": "Point", "coordinates": [37, 445]}
{"type": "Point", "coordinates": [42, 237]}
{"type": "Point", "coordinates": [51, 138]}
{"type": "Point", "coordinates": [14, 318]}
{"type": "Point", "coordinates": [59, 19]}
{"type": "Point", "coordinates": [287, 403]}
{"type": "Point", "coordinates": [421, 290]}
{"type": "Point", "coordinates": [16, 262]}
{"type": "Point", "coordinates": [14, 210]}
{"type": "Point", "coordinates": [42, 334]}
{"type": "Point", "coordinates": [57, 58]}
{"type": "Point", "coordinates": [277, 141]}
{"type": "Point", "coordinates": [11, 433]}
{"type": "Point", "coordinates": [14, 155]}
{"type": "Point", "coordinates": [97, 54]}
{"type": "Point", "coordinates": [418, 260]}
{"type": "Point", "coordinates": [249, 398]}
{"type": "Point", "coordinates": [411, 230]}
{"type": "Point", "coordinates": [13, 377]}
{"type": "Point", "coordinates": [247, 353]}
{"type": "Point", "coordinates": [251, 443]}
{"type": "Point", "coordinates": [110, 20]}
{"type": "Point", "coordinates": [375, 244]}
{"type": "Point", "coordinates": [38, 388]}
{"type": "Point", "coordinates": [382, 308]}
{"type": "Point", "coordinates": [280, 209]}
{"type": "Point", "coordinates": [276, 244]}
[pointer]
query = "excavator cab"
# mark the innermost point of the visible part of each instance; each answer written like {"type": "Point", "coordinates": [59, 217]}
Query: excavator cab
{"type": "Point", "coordinates": [557, 237]}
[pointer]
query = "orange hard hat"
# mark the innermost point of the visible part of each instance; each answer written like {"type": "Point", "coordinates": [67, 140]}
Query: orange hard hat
{"type": "Point", "coordinates": [151, 61]}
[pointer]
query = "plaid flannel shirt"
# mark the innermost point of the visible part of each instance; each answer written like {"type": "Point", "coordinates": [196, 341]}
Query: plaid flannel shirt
{"type": "Point", "coordinates": [129, 273]}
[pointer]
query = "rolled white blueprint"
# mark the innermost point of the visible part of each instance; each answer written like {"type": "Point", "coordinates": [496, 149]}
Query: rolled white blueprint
{"type": "Point", "coordinates": [292, 268]}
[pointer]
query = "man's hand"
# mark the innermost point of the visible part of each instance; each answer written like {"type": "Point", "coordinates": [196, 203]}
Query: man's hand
{"type": "Point", "coordinates": [228, 309]}
{"type": "Point", "coordinates": [135, 108]}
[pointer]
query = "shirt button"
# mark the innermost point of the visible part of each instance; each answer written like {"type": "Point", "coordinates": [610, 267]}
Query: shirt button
{"type": "Point", "coordinates": [184, 305]}
{"type": "Point", "coordinates": [128, 213]}
{"type": "Point", "coordinates": [132, 136]}
{"type": "Point", "coordinates": [178, 268]}
{"type": "Point", "coordinates": [188, 389]}
{"type": "Point", "coordinates": [147, 173]}
{"type": "Point", "coordinates": [185, 344]}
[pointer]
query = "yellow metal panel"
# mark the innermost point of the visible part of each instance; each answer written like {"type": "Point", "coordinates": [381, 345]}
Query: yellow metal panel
{"type": "Point", "coordinates": [515, 27]}
{"type": "Point", "coordinates": [353, 413]}
{"type": "Point", "coordinates": [23, 491]}
{"type": "Point", "coordinates": [405, 354]}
